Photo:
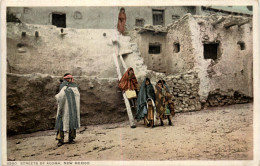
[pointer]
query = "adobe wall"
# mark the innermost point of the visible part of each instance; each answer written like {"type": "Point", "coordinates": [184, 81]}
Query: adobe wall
{"type": "Point", "coordinates": [155, 62]}
{"type": "Point", "coordinates": [232, 71]}
{"type": "Point", "coordinates": [97, 17]}
{"type": "Point", "coordinates": [31, 105]}
{"type": "Point", "coordinates": [75, 51]}
{"type": "Point", "coordinates": [179, 32]}
{"type": "Point", "coordinates": [36, 64]}
{"type": "Point", "coordinates": [226, 80]}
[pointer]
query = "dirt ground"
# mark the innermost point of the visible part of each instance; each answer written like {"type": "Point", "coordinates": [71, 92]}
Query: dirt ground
{"type": "Point", "coordinates": [220, 133]}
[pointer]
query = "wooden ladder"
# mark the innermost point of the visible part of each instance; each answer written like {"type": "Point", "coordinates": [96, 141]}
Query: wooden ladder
{"type": "Point", "coordinates": [119, 75]}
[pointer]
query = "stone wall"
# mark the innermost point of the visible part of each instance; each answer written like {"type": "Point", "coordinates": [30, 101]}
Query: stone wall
{"type": "Point", "coordinates": [184, 88]}
{"type": "Point", "coordinates": [31, 105]}
{"type": "Point", "coordinates": [219, 97]}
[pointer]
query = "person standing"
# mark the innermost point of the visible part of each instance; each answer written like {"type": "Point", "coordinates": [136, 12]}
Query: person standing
{"type": "Point", "coordinates": [68, 112]}
{"type": "Point", "coordinates": [121, 21]}
{"type": "Point", "coordinates": [145, 103]}
{"type": "Point", "coordinates": [162, 96]}
{"type": "Point", "coordinates": [128, 84]}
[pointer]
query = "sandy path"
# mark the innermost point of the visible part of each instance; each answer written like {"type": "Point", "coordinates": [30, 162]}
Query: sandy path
{"type": "Point", "coordinates": [218, 133]}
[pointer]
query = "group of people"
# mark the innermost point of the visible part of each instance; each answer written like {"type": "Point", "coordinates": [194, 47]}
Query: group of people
{"type": "Point", "coordinates": [150, 103]}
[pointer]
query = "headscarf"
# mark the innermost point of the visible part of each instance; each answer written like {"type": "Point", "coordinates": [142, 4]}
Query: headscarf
{"type": "Point", "coordinates": [69, 76]}
{"type": "Point", "coordinates": [121, 21]}
{"type": "Point", "coordinates": [128, 82]}
{"type": "Point", "coordinates": [122, 16]}
{"type": "Point", "coordinates": [145, 92]}
{"type": "Point", "coordinates": [66, 83]}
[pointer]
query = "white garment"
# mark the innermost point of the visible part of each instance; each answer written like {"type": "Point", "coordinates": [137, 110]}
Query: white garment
{"type": "Point", "coordinates": [63, 107]}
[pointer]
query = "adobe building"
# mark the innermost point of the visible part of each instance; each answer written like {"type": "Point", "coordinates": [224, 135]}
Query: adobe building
{"type": "Point", "coordinates": [206, 60]}
{"type": "Point", "coordinates": [106, 17]}
{"type": "Point", "coordinates": [216, 51]}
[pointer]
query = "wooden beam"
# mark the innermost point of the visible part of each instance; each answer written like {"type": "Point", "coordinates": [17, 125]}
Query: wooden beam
{"type": "Point", "coordinates": [127, 104]}
{"type": "Point", "coordinates": [230, 24]}
{"type": "Point", "coordinates": [220, 20]}
{"type": "Point", "coordinates": [243, 22]}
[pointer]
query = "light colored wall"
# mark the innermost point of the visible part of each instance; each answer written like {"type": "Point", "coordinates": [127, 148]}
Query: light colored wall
{"type": "Point", "coordinates": [155, 62]}
{"type": "Point", "coordinates": [82, 52]}
{"type": "Point", "coordinates": [233, 70]}
{"type": "Point", "coordinates": [96, 17]}
{"type": "Point", "coordinates": [183, 60]}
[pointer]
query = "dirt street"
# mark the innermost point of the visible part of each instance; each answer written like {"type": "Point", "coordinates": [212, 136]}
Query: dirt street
{"type": "Point", "coordinates": [220, 133]}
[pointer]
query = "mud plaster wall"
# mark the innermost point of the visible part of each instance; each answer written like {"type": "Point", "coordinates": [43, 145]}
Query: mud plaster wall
{"type": "Point", "coordinates": [96, 17]}
{"type": "Point", "coordinates": [182, 61]}
{"type": "Point", "coordinates": [76, 51]}
{"type": "Point", "coordinates": [31, 105]}
{"type": "Point", "coordinates": [30, 97]}
{"type": "Point", "coordinates": [155, 62]}
{"type": "Point", "coordinates": [233, 70]}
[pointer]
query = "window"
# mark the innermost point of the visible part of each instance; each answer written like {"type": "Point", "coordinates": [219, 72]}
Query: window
{"type": "Point", "coordinates": [211, 51]}
{"type": "Point", "coordinates": [59, 20]}
{"type": "Point", "coordinates": [139, 22]}
{"type": "Point", "coordinates": [175, 17]}
{"type": "Point", "coordinates": [176, 47]}
{"type": "Point", "coordinates": [242, 45]}
{"type": "Point", "coordinates": [154, 48]}
{"type": "Point", "coordinates": [250, 8]}
{"type": "Point", "coordinates": [158, 17]}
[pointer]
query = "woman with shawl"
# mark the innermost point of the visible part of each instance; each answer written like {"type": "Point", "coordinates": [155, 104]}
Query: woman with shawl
{"type": "Point", "coordinates": [121, 21]}
{"type": "Point", "coordinates": [128, 84]}
{"type": "Point", "coordinates": [163, 101]}
{"type": "Point", "coordinates": [145, 103]}
{"type": "Point", "coordinates": [68, 112]}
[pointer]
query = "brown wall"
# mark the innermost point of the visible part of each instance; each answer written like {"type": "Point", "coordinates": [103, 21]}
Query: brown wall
{"type": "Point", "coordinates": [31, 105]}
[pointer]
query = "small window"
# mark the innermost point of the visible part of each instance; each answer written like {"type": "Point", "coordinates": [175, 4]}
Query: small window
{"type": "Point", "coordinates": [154, 48]}
{"type": "Point", "coordinates": [139, 22]}
{"type": "Point", "coordinates": [59, 20]}
{"type": "Point", "coordinates": [211, 51]}
{"type": "Point", "coordinates": [176, 47]}
{"type": "Point", "coordinates": [158, 17]}
{"type": "Point", "coordinates": [175, 17]}
{"type": "Point", "coordinates": [250, 8]}
{"type": "Point", "coordinates": [242, 45]}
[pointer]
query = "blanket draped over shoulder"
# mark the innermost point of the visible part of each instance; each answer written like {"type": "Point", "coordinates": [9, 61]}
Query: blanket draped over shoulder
{"type": "Point", "coordinates": [128, 82]}
{"type": "Point", "coordinates": [163, 100]}
{"type": "Point", "coordinates": [145, 92]}
{"type": "Point", "coordinates": [160, 100]}
{"type": "Point", "coordinates": [68, 112]}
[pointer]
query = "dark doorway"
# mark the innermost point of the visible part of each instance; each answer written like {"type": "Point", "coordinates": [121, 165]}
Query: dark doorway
{"type": "Point", "coordinates": [59, 20]}
{"type": "Point", "coordinates": [154, 48]}
{"type": "Point", "coordinates": [242, 45]}
{"type": "Point", "coordinates": [176, 47]}
{"type": "Point", "coordinates": [211, 51]}
{"type": "Point", "coordinates": [158, 17]}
